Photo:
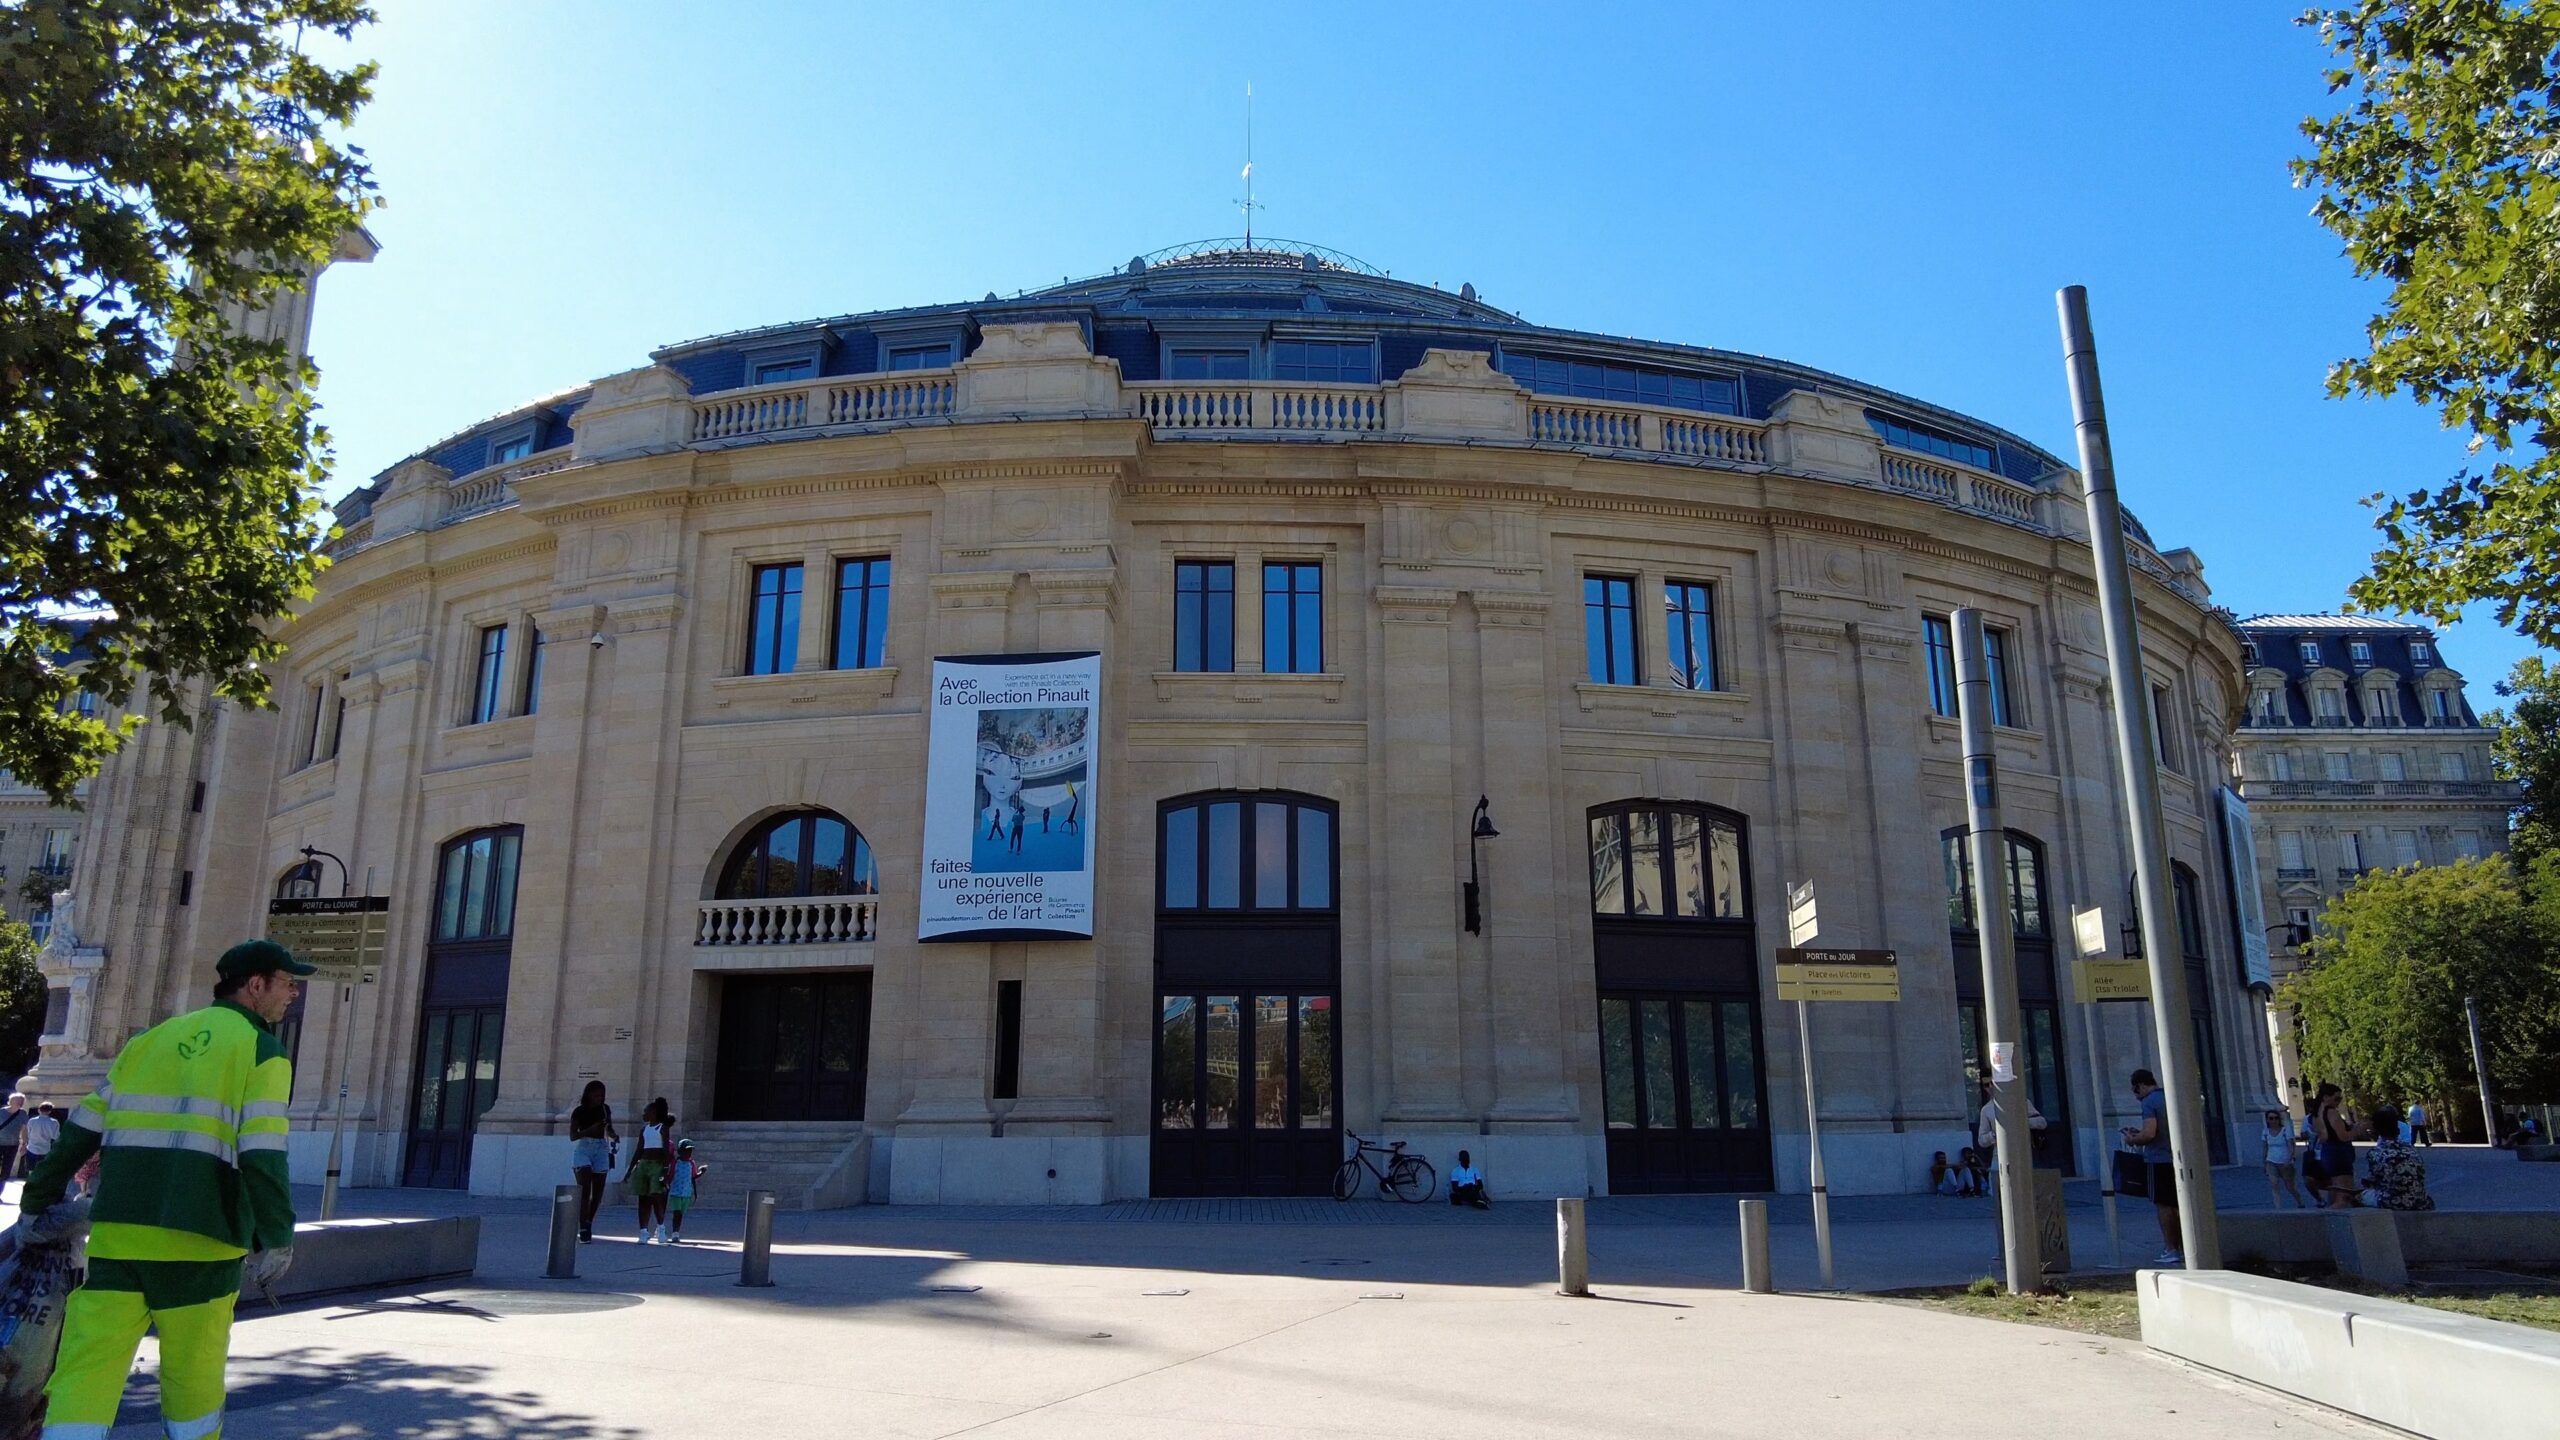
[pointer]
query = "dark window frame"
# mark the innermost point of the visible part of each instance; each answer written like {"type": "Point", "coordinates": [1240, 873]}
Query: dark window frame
{"type": "Point", "coordinates": [1621, 383]}
{"type": "Point", "coordinates": [753, 851]}
{"type": "Point", "coordinates": [489, 677]}
{"type": "Point", "coordinates": [1614, 597]}
{"type": "Point", "coordinates": [1290, 637]}
{"type": "Point", "coordinates": [1684, 625]}
{"type": "Point", "coordinates": [496, 920]}
{"type": "Point", "coordinates": [1929, 440]}
{"type": "Point", "coordinates": [1709, 817]}
{"type": "Point", "coordinates": [1957, 864]}
{"type": "Point", "coordinates": [1210, 359]}
{"type": "Point", "coordinates": [1336, 357]}
{"type": "Point", "coordinates": [870, 632]}
{"type": "Point", "coordinates": [773, 647]}
{"type": "Point", "coordinates": [1197, 640]}
{"type": "Point", "coordinates": [1248, 843]}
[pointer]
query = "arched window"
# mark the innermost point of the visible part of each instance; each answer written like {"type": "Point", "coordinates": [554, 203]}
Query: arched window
{"type": "Point", "coordinates": [1263, 851]}
{"type": "Point", "coordinates": [799, 852]}
{"type": "Point", "coordinates": [1669, 862]}
{"type": "Point", "coordinates": [476, 885]}
{"type": "Point", "coordinates": [2027, 918]}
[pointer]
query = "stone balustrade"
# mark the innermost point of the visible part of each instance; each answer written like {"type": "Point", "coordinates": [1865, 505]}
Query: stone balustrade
{"type": "Point", "coordinates": [802, 920]}
{"type": "Point", "coordinates": [895, 398]}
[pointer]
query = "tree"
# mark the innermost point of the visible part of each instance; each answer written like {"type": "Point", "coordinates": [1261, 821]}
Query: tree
{"type": "Point", "coordinates": [2437, 177]}
{"type": "Point", "coordinates": [22, 1001]}
{"type": "Point", "coordinates": [2381, 1001]}
{"type": "Point", "coordinates": [163, 164]}
{"type": "Point", "coordinates": [2527, 748]}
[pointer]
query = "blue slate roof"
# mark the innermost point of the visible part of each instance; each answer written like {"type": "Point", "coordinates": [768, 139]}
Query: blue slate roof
{"type": "Point", "coordinates": [2279, 640]}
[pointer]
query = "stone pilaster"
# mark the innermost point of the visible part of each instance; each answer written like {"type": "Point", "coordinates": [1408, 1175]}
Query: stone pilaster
{"type": "Point", "coordinates": [1519, 946]}
{"type": "Point", "coordinates": [1419, 816]}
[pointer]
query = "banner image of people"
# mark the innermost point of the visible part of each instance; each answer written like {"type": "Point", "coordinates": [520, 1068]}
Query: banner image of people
{"type": "Point", "coordinates": [1009, 802]}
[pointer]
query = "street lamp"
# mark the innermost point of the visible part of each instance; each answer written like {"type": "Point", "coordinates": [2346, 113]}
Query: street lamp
{"type": "Point", "coordinates": [311, 859]}
{"type": "Point", "coordinates": [1479, 831]}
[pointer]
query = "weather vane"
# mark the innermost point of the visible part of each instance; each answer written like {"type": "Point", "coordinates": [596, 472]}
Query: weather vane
{"type": "Point", "coordinates": [1247, 204]}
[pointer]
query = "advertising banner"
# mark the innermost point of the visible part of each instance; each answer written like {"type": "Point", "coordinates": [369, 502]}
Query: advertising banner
{"type": "Point", "coordinates": [1009, 798]}
{"type": "Point", "coordinates": [2240, 870]}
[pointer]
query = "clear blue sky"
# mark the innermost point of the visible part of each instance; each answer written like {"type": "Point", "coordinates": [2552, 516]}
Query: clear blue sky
{"type": "Point", "coordinates": [1892, 192]}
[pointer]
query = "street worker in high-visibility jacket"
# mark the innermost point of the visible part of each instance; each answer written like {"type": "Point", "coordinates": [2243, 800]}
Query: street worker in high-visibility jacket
{"type": "Point", "coordinates": [192, 1198]}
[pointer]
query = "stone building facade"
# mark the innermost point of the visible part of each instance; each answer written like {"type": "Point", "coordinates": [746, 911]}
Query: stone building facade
{"type": "Point", "coordinates": [621, 699]}
{"type": "Point", "coordinates": [2358, 750]}
{"type": "Point", "coordinates": [37, 837]}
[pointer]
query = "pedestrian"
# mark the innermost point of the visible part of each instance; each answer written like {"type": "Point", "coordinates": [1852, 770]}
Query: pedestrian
{"type": "Point", "coordinates": [650, 1161]}
{"type": "Point", "coordinates": [13, 1134]}
{"type": "Point", "coordinates": [2396, 1179]}
{"type": "Point", "coordinates": [2418, 1121]}
{"type": "Point", "coordinates": [2151, 1137]}
{"type": "Point", "coordinates": [43, 1128]}
{"type": "Point", "coordinates": [2333, 1140]}
{"type": "Point", "coordinates": [680, 1183]}
{"type": "Point", "coordinates": [1466, 1184]}
{"type": "Point", "coordinates": [592, 1142]}
{"type": "Point", "coordinates": [193, 1198]}
{"type": "Point", "coordinates": [2279, 1162]}
{"type": "Point", "coordinates": [1072, 801]}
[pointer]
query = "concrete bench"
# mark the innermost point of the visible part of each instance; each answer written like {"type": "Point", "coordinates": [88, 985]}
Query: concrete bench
{"type": "Point", "coordinates": [2429, 1372]}
{"type": "Point", "coordinates": [330, 1256]}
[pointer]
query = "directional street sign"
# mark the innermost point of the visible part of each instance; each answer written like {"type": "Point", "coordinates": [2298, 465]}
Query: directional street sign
{"type": "Point", "coordinates": [1838, 975]}
{"type": "Point", "coordinates": [2096, 980]}
{"type": "Point", "coordinates": [1801, 925]}
{"type": "Point", "coordinates": [342, 936]}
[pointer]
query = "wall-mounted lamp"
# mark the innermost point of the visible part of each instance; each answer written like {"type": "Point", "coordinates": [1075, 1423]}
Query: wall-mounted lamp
{"type": "Point", "coordinates": [1477, 833]}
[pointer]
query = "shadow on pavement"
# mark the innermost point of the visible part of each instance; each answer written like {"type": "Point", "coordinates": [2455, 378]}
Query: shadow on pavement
{"type": "Point", "coordinates": [347, 1398]}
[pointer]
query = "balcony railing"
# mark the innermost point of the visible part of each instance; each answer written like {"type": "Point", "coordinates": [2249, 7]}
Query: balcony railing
{"type": "Point", "coordinates": [894, 398]}
{"type": "Point", "coordinates": [2293, 873]}
{"type": "Point", "coordinates": [801, 920]}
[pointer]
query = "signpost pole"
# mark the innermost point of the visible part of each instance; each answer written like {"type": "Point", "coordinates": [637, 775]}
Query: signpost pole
{"type": "Point", "coordinates": [2091, 927]}
{"type": "Point", "coordinates": [2181, 1068]}
{"type": "Point", "coordinates": [343, 937]}
{"type": "Point", "coordinates": [1987, 843]}
{"type": "Point", "coordinates": [1813, 1143]}
{"type": "Point", "coordinates": [345, 1047]}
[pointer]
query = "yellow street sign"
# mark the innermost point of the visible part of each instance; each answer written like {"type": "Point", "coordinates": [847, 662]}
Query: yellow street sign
{"type": "Point", "coordinates": [2095, 980]}
{"type": "Point", "coordinates": [1838, 975]}
{"type": "Point", "coordinates": [342, 936]}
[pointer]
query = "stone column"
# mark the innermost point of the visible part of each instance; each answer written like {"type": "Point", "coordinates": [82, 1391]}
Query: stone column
{"type": "Point", "coordinates": [1531, 1095]}
{"type": "Point", "coordinates": [618, 906]}
{"type": "Point", "coordinates": [1421, 815]}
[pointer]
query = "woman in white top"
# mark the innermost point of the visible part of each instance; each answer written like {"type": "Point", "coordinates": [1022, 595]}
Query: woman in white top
{"type": "Point", "coordinates": [2279, 1162]}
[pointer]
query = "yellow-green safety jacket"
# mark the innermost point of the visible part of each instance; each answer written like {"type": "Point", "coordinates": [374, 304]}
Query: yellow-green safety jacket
{"type": "Point", "coordinates": [192, 1124]}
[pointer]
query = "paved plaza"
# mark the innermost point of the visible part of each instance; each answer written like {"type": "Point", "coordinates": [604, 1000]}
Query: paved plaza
{"type": "Point", "coordinates": [1275, 1318]}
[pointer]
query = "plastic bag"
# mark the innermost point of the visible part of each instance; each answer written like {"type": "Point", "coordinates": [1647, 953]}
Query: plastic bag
{"type": "Point", "coordinates": [36, 1282]}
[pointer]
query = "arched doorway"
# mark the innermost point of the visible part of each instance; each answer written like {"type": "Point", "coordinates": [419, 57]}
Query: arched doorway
{"type": "Point", "coordinates": [1684, 1097]}
{"type": "Point", "coordinates": [796, 1046]}
{"type": "Point", "coordinates": [1248, 996]}
{"type": "Point", "coordinates": [2039, 999]}
{"type": "Point", "coordinates": [462, 1016]}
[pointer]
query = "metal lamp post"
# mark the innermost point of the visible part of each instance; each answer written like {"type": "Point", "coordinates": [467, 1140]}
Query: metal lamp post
{"type": "Point", "coordinates": [1478, 831]}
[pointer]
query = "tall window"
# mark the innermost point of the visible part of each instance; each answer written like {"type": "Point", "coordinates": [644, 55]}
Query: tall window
{"type": "Point", "coordinates": [2420, 654]}
{"type": "Point", "coordinates": [2456, 767]}
{"type": "Point", "coordinates": [1292, 618]}
{"type": "Point", "coordinates": [476, 886]}
{"type": "Point", "coordinates": [2332, 705]}
{"type": "Point", "coordinates": [862, 612]}
{"type": "Point", "coordinates": [799, 852]}
{"type": "Point", "coordinates": [2279, 765]}
{"type": "Point", "coordinates": [486, 697]}
{"type": "Point", "coordinates": [2289, 851]}
{"type": "Point", "coordinates": [1995, 660]}
{"type": "Point", "coordinates": [2190, 901]}
{"type": "Point", "coordinates": [315, 697]}
{"type": "Point", "coordinates": [1938, 638]}
{"type": "Point", "coordinates": [1609, 629]}
{"type": "Point", "coordinates": [1350, 362]}
{"type": "Point", "coordinates": [1675, 862]}
{"type": "Point", "coordinates": [2163, 733]}
{"type": "Point", "coordinates": [1204, 615]}
{"type": "Point", "coordinates": [2391, 765]}
{"type": "Point", "coordinates": [57, 851]}
{"type": "Point", "coordinates": [2382, 705]}
{"type": "Point", "coordinates": [1689, 614]}
{"type": "Point", "coordinates": [1263, 851]}
{"type": "Point", "coordinates": [2351, 850]}
{"type": "Point", "coordinates": [2440, 707]}
{"type": "Point", "coordinates": [532, 676]}
{"type": "Point", "coordinates": [2026, 884]}
{"type": "Point", "coordinates": [2262, 706]}
{"type": "Point", "coordinates": [773, 620]}
{"type": "Point", "coordinates": [2342, 766]}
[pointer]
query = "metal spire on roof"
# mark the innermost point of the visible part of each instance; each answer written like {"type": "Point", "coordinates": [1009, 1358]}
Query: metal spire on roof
{"type": "Point", "coordinates": [1247, 204]}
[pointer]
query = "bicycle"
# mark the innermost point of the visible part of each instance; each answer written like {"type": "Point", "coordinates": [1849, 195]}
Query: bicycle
{"type": "Point", "coordinates": [1409, 1178]}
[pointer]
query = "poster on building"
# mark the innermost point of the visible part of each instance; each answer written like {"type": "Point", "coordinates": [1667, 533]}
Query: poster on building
{"type": "Point", "coordinates": [1009, 798]}
{"type": "Point", "coordinates": [2240, 869]}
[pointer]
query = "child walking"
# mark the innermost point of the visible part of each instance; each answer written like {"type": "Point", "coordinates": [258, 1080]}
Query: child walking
{"type": "Point", "coordinates": [680, 1182]}
{"type": "Point", "coordinates": [651, 1159]}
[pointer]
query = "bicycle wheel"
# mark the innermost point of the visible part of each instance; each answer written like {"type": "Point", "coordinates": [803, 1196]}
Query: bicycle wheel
{"type": "Point", "coordinates": [1412, 1179]}
{"type": "Point", "coordinates": [1346, 1181]}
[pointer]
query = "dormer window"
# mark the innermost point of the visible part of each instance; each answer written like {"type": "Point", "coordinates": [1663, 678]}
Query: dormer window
{"type": "Point", "coordinates": [774, 372]}
{"type": "Point", "coordinates": [2420, 653]}
{"type": "Point", "coordinates": [1336, 362]}
{"type": "Point", "coordinates": [2249, 651]}
{"type": "Point", "coordinates": [2360, 651]}
{"type": "Point", "coordinates": [2266, 706]}
{"type": "Point", "coordinates": [1209, 365]}
{"type": "Point", "coordinates": [512, 449]}
{"type": "Point", "coordinates": [1627, 384]}
{"type": "Point", "coordinates": [2310, 652]}
{"type": "Point", "coordinates": [920, 357]}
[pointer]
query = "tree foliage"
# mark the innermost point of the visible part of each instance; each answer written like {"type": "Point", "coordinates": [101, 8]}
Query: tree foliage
{"type": "Point", "coordinates": [2381, 1002]}
{"type": "Point", "coordinates": [2527, 747]}
{"type": "Point", "coordinates": [21, 1001]}
{"type": "Point", "coordinates": [2439, 177]}
{"type": "Point", "coordinates": [163, 164]}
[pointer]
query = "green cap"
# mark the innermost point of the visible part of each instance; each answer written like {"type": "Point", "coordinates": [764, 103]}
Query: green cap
{"type": "Point", "coordinates": [259, 957]}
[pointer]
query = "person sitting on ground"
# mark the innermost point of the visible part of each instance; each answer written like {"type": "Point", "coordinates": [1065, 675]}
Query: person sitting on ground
{"type": "Point", "coordinates": [1466, 1184]}
{"type": "Point", "coordinates": [1944, 1178]}
{"type": "Point", "coordinates": [2395, 1178]}
{"type": "Point", "coordinates": [1977, 1171]}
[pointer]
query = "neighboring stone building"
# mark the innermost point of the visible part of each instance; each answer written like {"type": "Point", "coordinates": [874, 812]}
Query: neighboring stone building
{"type": "Point", "coordinates": [623, 699]}
{"type": "Point", "coordinates": [36, 837]}
{"type": "Point", "coordinates": [2358, 751]}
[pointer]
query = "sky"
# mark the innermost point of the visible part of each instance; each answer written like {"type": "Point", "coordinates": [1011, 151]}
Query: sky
{"type": "Point", "coordinates": [1890, 192]}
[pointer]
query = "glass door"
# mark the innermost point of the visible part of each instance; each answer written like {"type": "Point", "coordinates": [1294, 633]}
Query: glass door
{"type": "Point", "coordinates": [1245, 1094]}
{"type": "Point", "coordinates": [1681, 1083]}
{"type": "Point", "coordinates": [457, 1080]}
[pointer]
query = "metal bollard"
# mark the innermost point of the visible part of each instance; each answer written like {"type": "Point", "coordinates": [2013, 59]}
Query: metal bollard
{"type": "Point", "coordinates": [1573, 1252]}
{"type": "Point", "coordinates": [564, 1235]}
{"type": "Point", "coordinates": [755, 1263]}
{"type": "Point", "coordinates": [1755, 1247]}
